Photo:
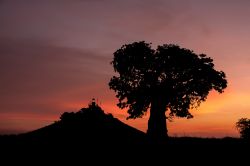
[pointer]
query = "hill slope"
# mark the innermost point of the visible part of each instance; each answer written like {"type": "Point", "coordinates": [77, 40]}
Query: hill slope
{"type": "Point", "coordinates": [89, 126]}
{"type": "Point", "coordinates": [90, 133]}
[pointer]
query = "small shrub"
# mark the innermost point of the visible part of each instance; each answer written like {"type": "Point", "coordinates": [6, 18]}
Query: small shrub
{"type": "Point", "coordinates": [243, 126]}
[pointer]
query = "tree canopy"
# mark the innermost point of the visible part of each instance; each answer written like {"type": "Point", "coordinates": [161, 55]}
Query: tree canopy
{"type": "Point", "coordinates": [178, 75]}
{"type": "Point", "coordinates": [168, 78]}
{"type": "Point", "coordinates": [243, 125]}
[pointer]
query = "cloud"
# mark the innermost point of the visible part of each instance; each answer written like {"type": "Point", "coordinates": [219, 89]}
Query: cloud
{"type": "Point", "coordinates": [41, 79]}
{"type": "Point", "coordinates": [36, 71]}
{"type": "Point", "coordinates": [93, 24]}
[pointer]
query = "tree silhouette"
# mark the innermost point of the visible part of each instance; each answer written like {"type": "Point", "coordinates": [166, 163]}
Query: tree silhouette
{"type": "Point", "coordinates": [169, 78]}
{"type": "Point", "coordinates": [243, 125]}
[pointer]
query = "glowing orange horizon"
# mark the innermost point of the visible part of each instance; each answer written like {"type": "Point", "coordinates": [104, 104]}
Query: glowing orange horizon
{"type": "Point", "coordinates": [211, 117]}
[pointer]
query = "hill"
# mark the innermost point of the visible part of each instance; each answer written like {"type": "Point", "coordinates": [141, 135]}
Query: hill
{"type": "Point", "coordinates": [91, 133]}
{"type": "Point", "coordinates": [89, 126]}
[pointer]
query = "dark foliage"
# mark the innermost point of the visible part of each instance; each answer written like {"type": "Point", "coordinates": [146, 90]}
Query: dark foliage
{"type": "Point", "coordinates": [168, 78]}
{"type": "Point", "coordinates": [90, 136]}
{"type": "Point", "coordinates": [89, 126]}
{"type": "Point", "coordinates": [243, 125]}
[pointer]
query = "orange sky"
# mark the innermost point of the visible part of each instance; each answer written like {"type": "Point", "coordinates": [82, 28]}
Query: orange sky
{"type": "Point", "coordinates": [55, 57]}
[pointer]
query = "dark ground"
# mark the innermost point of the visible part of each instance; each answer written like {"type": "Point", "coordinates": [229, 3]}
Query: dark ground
{"type": "Point", "coordinates": [175, 150]}
{"type": "Point", "coordinates": [93, 137]}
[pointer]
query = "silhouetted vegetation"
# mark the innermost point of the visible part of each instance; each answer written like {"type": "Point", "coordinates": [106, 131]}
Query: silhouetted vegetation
{"type": "Point", "coordinates": [243, 125]}
{"type": "Point", "coordinates": [91, 135]}
{"type": "Point", "coordinates": [169, 78]}
{"type": "Point", "coordinates": [88, 126]}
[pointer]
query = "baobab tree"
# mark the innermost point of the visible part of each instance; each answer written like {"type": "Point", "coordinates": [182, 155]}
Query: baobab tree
{"type": "Point", "coordinates": [169, 79]}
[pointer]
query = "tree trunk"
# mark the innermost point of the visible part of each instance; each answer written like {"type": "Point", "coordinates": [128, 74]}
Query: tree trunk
{"type": "Point", "coordinates": [157, 127]}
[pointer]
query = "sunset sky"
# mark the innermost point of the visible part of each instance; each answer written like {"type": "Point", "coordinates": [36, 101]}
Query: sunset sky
{"type": "Point", "coordinates": [55, 57]}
